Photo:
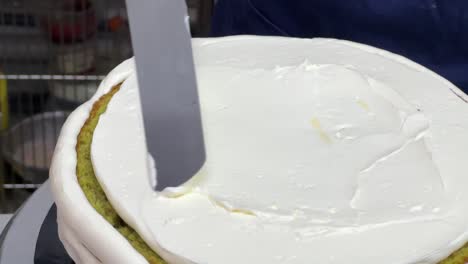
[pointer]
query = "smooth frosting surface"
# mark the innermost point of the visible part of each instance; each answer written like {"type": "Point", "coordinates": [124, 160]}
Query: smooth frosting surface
{"type": "Point", "coordinates": [319, 150]}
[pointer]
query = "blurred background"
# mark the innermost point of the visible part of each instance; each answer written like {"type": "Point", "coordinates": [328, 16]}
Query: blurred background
{"type": "Point", "coordinates": [53, 55]}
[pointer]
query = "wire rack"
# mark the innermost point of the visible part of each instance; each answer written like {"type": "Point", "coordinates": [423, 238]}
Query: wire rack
{"type": "Point", "coordinates": [53, 54]}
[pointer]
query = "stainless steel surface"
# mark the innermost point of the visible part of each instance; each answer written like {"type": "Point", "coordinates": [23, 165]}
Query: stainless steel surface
{"type": "Point", "coordinates": [28, 146]}
{"type": "Point", "coordinates": [53, 55]}
{"type": "Point", "coordinates": [168, 88]}
{"type": "Point", "coordinates": [20, 237]}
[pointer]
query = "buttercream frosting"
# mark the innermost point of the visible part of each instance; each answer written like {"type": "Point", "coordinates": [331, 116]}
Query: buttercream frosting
{"type": "Point", "coordinates": [318, 150]}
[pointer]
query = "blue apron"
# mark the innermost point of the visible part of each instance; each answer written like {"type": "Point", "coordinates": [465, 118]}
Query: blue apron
{"type": "Point", "coordinates": [433, 33]}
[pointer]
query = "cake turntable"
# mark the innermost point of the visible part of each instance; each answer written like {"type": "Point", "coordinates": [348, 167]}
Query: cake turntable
{"type": "Point", "coordinates": [31, 236]}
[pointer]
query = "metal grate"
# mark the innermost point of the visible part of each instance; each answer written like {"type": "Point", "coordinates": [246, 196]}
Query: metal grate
{"type": "Point", "coordinates": [53, 54]}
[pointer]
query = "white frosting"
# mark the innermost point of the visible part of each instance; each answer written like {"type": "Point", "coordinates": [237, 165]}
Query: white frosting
{"type": "Point", "coordinates": [319, 151]}
{"type": "Point", "coordinates": [84, 232]}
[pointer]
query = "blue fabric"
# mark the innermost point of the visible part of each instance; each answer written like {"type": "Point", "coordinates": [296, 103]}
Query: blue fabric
{"type": "Point", "coordinates": [433, 33]}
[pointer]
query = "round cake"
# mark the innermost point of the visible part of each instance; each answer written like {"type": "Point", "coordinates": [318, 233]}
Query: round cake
{"type": "Point", "coordinates": [318, 151]}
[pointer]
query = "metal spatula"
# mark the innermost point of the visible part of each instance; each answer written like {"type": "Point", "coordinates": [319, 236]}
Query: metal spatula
{"type": "Point", "coordinates": [168, 89]}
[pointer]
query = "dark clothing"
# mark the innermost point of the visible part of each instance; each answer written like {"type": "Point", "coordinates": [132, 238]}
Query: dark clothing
{"type": "Point", "coordinates": [433, 33]}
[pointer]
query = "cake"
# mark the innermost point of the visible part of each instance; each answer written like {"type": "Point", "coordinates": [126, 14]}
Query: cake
{"type": "Point", "coordinates": [318, 151]}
